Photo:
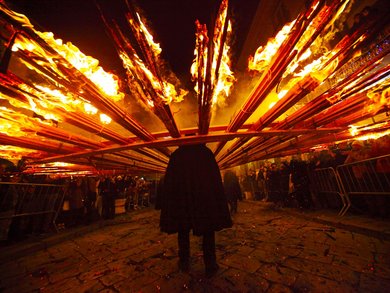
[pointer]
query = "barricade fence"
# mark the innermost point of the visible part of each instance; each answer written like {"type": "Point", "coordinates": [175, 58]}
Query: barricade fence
{"type": "Point", "coordinates": [369, 177]}
{"type": "Point", "coordinates": [29, 207]}
{"type": "Point", "coordinates": [325, 183]}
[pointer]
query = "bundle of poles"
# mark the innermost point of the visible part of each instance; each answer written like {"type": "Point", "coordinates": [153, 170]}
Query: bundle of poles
{"type": "Point", "coordinates": [335, 97]}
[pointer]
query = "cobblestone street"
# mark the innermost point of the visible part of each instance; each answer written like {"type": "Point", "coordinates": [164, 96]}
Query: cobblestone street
{"type": "Point", "coordinates": [267, 250]}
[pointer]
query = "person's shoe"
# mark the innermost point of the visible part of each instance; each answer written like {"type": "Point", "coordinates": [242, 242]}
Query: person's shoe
{"type": "Point", "coordinates": [211, 270]}
{"type": "Point", "coordinates": [184, 266]}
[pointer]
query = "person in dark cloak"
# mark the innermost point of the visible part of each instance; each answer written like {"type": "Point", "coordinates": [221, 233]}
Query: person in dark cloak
{"type": "Point", "coordinates": [193, 198]}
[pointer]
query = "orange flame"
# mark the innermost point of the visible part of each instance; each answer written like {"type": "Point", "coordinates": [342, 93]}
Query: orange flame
{"type": "Point", "coordinates": [13, 153]}
{"type": "Point", "coordinates": [379, 95]}
{"type": "Point", "coordinates": [106, 82]}
{"type": "Point", "coordinates": [166, 91]}
{"type": "Point", "coordinates": [222, 80]}
{"type": "Point", "coordinates": [263, 56]}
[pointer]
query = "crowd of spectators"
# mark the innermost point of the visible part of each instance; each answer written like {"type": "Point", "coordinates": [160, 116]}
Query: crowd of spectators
{"type": "Point", "coordinates": [287, 183]}
{"type": "Point", "coordinates": [28, 202]}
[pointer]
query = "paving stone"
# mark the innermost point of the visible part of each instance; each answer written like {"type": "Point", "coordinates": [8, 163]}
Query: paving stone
{"type": "Point", "coordinates": [267, 250]}
{"type": "Point", "coordinates": [266, 254]}
{"type": "Point", "coordinates": [372, 283]}
{"type": "Point", "coordinates": [277, 274]}
{"type": "Point", "coordinates": [278, 288]}
{"type": "Point", "coordinates": [312, 283]}
{"type": "Point", "coordinates": [234, 280]}
{"type": "Point", "coordinates": [65, 285]}
{"type": "Point", "coordinates": [137, 282]}
{"type": "Point", "coordinates": [248, 264]}
{"type": "Point", "coordinates": [24, 283]}
{"type": "Point", "coordinates": [94, 273]}
{"type": "Point", "coordinates": [333, 272]}
{"type": "Point", "coordinates": [111, 277]}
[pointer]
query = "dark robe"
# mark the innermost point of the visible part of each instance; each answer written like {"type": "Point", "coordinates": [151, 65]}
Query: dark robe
{"type": "Point", "coordinates": [193, 195]}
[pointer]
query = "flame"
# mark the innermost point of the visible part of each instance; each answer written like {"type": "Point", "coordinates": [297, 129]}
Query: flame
{"type": "Point", "coordinates": [14, 153]}
{"type": "Point", "coordinates": [104, 81]}
{"type": "Point", "coordinates": [89, 109]}
{"type": "Point", "coordinates": [353, 130]}
{"type": "Point", "coordinates": [149, 38]}
{"type": "Point", "coordinates": [221, 78]}
{"type": "Point", "coordinates": [264, 55]}
{"type": "Point", "coordinates": [105, 119]}
{"type": "Point", "coordinates": [379, 95]}
{"type": "Point", "coordinates": [137, 70]}
{"type": "Point", "coordinates": [198, 67]}
{"type": "Point", "coordinates": [373, 135]}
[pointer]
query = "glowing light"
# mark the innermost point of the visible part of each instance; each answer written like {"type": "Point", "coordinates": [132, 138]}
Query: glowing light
{"type": "Point", "coordinates": [221, 78]}
{"type": "Point", "coordinates": [353, 130]}
{"type": "Point", "coordinates": [264, 55]}
{"type": "Point", "coordinates": [89, 109]}
{"type": "Point", "coordinates": [105, 119]}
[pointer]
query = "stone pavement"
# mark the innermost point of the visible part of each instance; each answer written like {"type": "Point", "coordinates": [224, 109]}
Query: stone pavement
{"type": "Point", "coordinates": [267, 250]}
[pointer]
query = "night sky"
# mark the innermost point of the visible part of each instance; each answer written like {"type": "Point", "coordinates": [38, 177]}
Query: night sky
{"type": "Point", "coordinates": [172, 23]}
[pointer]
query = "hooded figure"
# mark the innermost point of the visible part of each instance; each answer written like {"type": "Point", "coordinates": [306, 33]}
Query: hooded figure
{"type": "Point", "coordinates": [193, 198]}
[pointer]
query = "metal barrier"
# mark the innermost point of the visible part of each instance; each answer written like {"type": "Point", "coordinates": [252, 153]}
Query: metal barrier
{"type": "Point", "coordinates": [326, 181]}
{"type": "Point", "coordinates": [367, 177]}
{"type": "Point", "coordinates": [30, 204]}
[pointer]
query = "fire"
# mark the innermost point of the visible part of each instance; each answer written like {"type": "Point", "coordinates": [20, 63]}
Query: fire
{"type": "Point", "coordinates": [198, 67]}
{"type": "Point", "coordinates": [105, 119]}
{"type": "Point", "coordinates": [221, 76]}
{"type": "Point", "coordinates": [373, 135]}
{"type": "Point", "coordinates": [89, 109]}
{"type": "Point", "coordinates": [353, 130]}
{"type": "Point", "coordinates": [104, 81]}
{"type": "Point", "coordinates": [155, 46]}
{"type": "Point", "coordinates": [13, 153]}
{"type": "Point", "coordinates": [141, 73]}
{"type": "Point", "coordinates": [379, 95]}
{"type": "Point", "coordinates": [264, 55]}
{"type": "Point", "coordinates": [137, 71]}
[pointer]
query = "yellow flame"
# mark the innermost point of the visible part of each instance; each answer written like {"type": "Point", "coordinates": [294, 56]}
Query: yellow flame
{"type": "Point", "coordinates": [379, 95]}
{"type": "Point", "coordinates": [105, 119]}
{"type": "Point", "coordinates": [374, 135]}
{"type": "Point", "coordinates": [106, 82]}
{"type": "Point", "coordinates": [89, 109]}
{"type": "Point", "coordinates": [165, 90]}
{"type": "Point", "coordinates": [155, 46]}
{"type": "Point", "coordinates": [14, 153]}
{"type": "Point", "coordinates": [353, 130]}
{"type": "Point", "coordinates": [222, 80]}
{"type": "Point", "coordinates": [89, 66]}
{"type": "Point", "coordinates": [264, 55]}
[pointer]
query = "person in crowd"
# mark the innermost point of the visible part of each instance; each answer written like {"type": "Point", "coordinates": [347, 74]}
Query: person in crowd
{"type": "Point", "coordinates": [300, 180]}
{"type": "Point", "coordinates": [90, 199]}
{"type": "Point", "coordinates": [136, 193]}
{"type": "Point", "coordinates": [357, 153]}
{"type": "Point", "coordinates": [261, 183]}
{"type": "Point", "coordinates": [107, 189]}
{"type": "Point", "coordinates": [273, 183]}
{"type": "Point", "coordinates": [284, 171]}
{"type": "Point", "coordinates": [130, 192]}
{"type": "Point", "coordinates": [193, 198]}
{"type": "Point", "coordinates": [252, 184]}
{"type": "Point", "coordinates": [76, 201]}
{"type": "Point", "coordinates": [143, 190]}
{"type": "Point", "coordinates": [232, 190]}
